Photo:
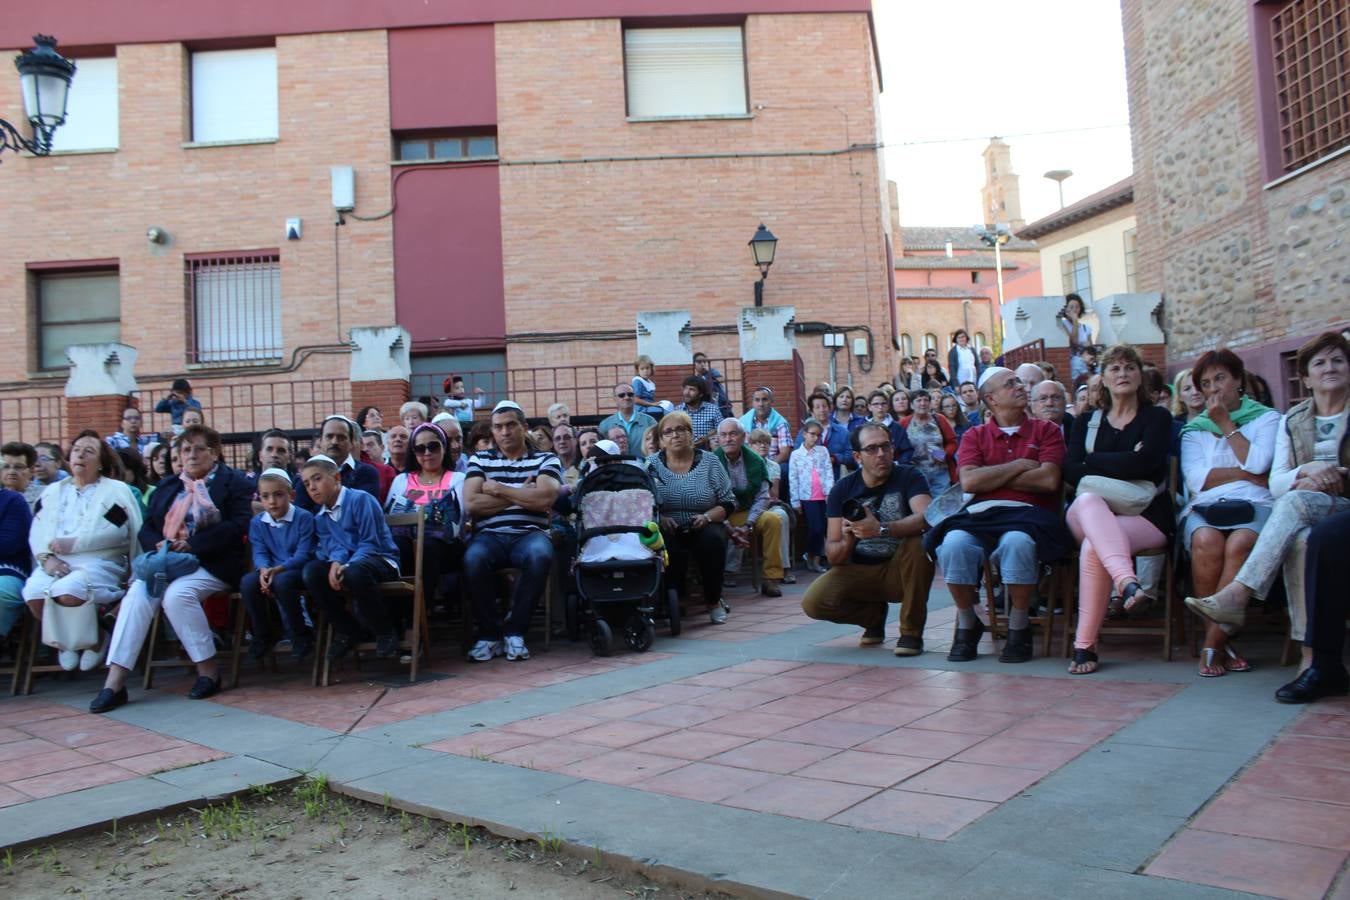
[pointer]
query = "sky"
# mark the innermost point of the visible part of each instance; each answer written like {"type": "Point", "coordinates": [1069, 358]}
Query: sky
{"type": "Point", "coordinates": [957, 72]}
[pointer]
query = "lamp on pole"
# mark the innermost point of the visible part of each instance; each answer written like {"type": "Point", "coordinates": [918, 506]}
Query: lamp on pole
{"type": "Point", "coordinates": [763, 246]}
{"type": "Point", "coordinates": [44, 76]}
{"type": "Point", "coordinates": [1058, 176]}
{"type": "Point", "coordinates": [996, 236]}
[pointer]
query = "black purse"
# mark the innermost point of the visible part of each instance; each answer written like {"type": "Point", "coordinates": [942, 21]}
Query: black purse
{"type": "Point", "coordinates": [1227, 513]}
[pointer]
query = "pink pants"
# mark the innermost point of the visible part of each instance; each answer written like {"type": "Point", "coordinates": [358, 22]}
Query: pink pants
{"type": "Point", "coordinates": [1105, 559]}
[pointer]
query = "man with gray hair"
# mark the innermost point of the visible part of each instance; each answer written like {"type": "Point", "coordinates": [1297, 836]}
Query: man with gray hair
{"type": "Point", "coordinates": [1049, 401]}
{"type": "Point", "coordinates": [753, 519]}
{"type": "Point", "coordinates": [1031, 375]}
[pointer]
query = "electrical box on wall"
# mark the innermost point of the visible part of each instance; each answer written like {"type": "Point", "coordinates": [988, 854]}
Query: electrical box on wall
{"type": "Point", "coordinates": [293, 229]}
{"type": "Point", "coordinates": [344, 188]}
{"type": "Point", "coordinates": [860, 346]}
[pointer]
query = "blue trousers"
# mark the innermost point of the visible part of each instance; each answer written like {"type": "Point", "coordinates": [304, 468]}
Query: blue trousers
{"type": "Point", "coordinates": [286, 589]}
{"type": "Point", "coordinates": [489, 552]}
{"type": "Point", "coordinates": [11, 603]}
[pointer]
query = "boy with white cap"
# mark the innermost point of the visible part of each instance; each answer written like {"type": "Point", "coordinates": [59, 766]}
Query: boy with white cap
{"type": "Point", "coordinates": [282, 540]}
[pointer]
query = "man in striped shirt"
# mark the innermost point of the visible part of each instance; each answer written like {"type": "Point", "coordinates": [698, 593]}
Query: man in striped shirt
{"type": "Point", "coordinates": [508, 490]}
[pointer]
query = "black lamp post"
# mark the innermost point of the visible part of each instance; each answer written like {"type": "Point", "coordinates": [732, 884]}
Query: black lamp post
{"type": "Point", "coordinates": [44, 76]}
{"type": "Point", "coordinates": [762, 245]}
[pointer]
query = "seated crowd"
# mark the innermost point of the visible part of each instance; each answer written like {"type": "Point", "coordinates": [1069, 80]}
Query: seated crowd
{"type": "Point", "coordinates": [993, 472]}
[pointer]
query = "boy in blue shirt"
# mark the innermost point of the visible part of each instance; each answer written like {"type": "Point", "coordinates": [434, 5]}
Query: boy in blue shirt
{"type": "Point", "coordinates": [282, 539]}
{"type": "Point", "coordinates": [356, 552]}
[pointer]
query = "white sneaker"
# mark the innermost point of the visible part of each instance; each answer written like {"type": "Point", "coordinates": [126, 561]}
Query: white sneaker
{"type": "Point", "coordinates": [69, 659]}
{"type": "Point", "coordinates": [483, 651]}
{"type": "Point", "coordinates": [92, 659]}
{"type": "Point", "coordinates": [789, 576]}
{"type": "Point", "coordinates": [718, 614]}
{"type": "Point", "coordinates": [515, 648]}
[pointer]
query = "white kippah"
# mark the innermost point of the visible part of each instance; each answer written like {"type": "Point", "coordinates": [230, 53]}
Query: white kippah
{"type": "Point", "coordinates": [507, 404]}
{"type": "Point", "coordinates": [274, 472]}
{"type": "Point", "coordinates": [990, 373]}
{"type": "Point", "coordinates": [320, 458]}
{"type": "Point", "coordinates": [440, 417]}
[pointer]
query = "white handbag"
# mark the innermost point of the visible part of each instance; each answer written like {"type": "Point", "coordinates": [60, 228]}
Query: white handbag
{"type": "Point", "coordinates": [70, 627]}
{"type": "Point", "coordinates": [1124, 498]}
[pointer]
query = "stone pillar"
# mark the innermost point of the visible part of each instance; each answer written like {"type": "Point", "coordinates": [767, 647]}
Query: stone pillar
{"type": "Point", "coordinates": [380, 370]}
{"type": "Point", "coordinates": [769, 359]}
{"type": "Point", "coordinates": [664, 335]}
{"type": "Point", "coordinates": [1133, 319]}
{"type": "Point", "coordinates": [102, 378]}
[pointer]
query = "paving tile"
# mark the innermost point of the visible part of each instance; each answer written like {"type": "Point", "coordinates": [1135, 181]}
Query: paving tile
{"type": "Point", "coordinates": [690, 744]}
{"type": "Point", "coordinates": [765, 666]}
{"type": "Point", "coordinates": [27, 747]}
{"type": "Point", "coordinates": [971, 781]}
{"type": "Point", "coordinates": [919, 694]}
{"type": "Point", "coordinates": [875, 769]}
{"type": "Point", "coordinates": [789, 684]}
{"type": "Point", "coordinates": [924, 744]}
{"type": "Point", "coordinates": [618, 733]}
{"type": "Point", "coordinates": [482, 743]}
{"type": "Point", "coordinates": [736, 698]}
{"type": "Point", "coordinates": [834, 733]}
{"type": "Point", "coordinates": [622, 767]}
{"type": "Point", "coordinates": [125, 748]}
{"type": "Point", "coordinates": [708, 783]}
{"type": "Point", "coordinates": [916, 815]}
{"type": "Point", "coordinates": [877, 713]}
{"type": "Point", "coordinates": [615, 708]}
{"type": "Point", "coordinates": [1314, 724]}
{"type": "Point", "coordinates": [20, 712]}
{"type": "Point", "coordinates": [11, 797]}
{"type": "Point", "coordinates": [722, 678]}
{"type": "Point", "coordinates": [752, 724]}
{"type": "Point", "coordinates": [671, 693]}
{"type": "Point", "coordinates": [553, 724]}
{"type": "Point", "coordinates": [779, 757]}
{"type": "Point", "coordinates": [806, 708]}
{"type": "Point", "coordinates": [679, 715]}
{"type": "Point", "coordinates": [547, 755]}
{"type": "Point", "coordinates": [1110, 710]}
{"type": "Point", "coordinates": [42, 764]}
{"type": "Point", "coordinates": [1257, 866]}
{"type": "Point", "coordinates": [844, 689]}
{"type": "Point", "coordinates": [161, 760]}
{"type": "Point", "coordinates": [1243, 811]}
{"type": "Point", "coordinates": [800, 798]}
{"type": "Point", "coordinates": [9, 735]}
{"type": "Point", "coordinates": [966, 721]}
{"type": "Point", "coordinates": [1066, 729]}
{"type": "Point", "coordinates": [1021, 753]}
{"type": "Point", "coordinates": [1007, 702]}
{"type": "Point", "coordinates": [1298, 782]}
{"type": "Point", "coordinates": [71, 780]}
{"type": "Point", "coordinates": [1328, 753]}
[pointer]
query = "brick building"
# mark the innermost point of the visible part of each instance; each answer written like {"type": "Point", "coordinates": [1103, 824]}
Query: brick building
{"type": "Point", "coordinates": [1241, 173]}
{"type": "Point", "coordinates": [526, 182]}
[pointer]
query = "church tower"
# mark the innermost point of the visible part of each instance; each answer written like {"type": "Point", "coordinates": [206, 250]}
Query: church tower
{"type": "Point", "coordinates": [1000, 198]}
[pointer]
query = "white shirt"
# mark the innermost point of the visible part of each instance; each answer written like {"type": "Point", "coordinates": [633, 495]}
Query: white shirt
{"type": "Point", "coordinates": [1202, 451]}
{"type": "Point", "coordinates": [286, 518]}
{"type": "Point", "coordinates": [335, 511]}
{"type": "Point", "coordinates": [965, 365]}
{"type": "Point", "coordinates": [1283, 472]}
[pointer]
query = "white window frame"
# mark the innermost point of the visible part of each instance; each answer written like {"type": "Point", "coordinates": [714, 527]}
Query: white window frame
{"type": "Point", "coordinates": [91, 108]}
{"type": "Point", "coordinates": [234, 96]}
{"type": "Point", "coordinates": [696, 72]}
{"type": "Point", "coordinates": [1069, 270]}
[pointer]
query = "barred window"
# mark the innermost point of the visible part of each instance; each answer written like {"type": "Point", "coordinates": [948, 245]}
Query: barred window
{"type": "Point", "coordinates": [234, 303]}
{"type": "Point", "coordinates": [1310, 48]}
{"type": "Point", "coordinates": [1076, 274]}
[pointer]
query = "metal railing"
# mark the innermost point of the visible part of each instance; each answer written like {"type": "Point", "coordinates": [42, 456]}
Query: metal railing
{"type": "Point", "coordinates": [252, 406]}
{"type": "Point", "coordinates": [39, 417]}
{"type": "Point", "coordinates": [1030, 352]}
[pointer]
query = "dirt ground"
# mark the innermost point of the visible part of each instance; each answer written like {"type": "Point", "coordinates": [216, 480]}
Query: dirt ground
{"type": "Point", "coordinates": [302, 841]}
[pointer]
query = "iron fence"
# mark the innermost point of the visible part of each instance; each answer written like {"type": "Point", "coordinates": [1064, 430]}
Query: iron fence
{"type": "Point", "coordinates": [39, 417]}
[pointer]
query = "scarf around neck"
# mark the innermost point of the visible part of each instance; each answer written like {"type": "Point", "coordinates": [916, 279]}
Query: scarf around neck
{"type": "Point", "coordinates": [1249, 411]}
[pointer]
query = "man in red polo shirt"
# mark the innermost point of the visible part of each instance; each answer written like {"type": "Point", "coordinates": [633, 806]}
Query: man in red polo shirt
{"type": "Point", "coordinates": [1011, 464]}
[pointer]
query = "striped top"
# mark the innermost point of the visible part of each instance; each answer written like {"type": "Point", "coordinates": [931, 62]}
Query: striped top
{"type": "Point", "coordinates": [704, 486]}
{"type": "Point", "coordinates": [514, 473]}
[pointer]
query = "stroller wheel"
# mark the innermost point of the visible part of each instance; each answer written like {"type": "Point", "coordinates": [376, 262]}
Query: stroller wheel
{"type": "Point", "coordinates": [601, 637]}
{"type": "Point", "coordinates": [673, 611]}
{"type": "Point", "coordinates": [639, 633]}
{"type": "Point", "coordinates": [572, 611]}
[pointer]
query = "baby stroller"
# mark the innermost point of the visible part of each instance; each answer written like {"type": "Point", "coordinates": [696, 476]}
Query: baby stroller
{"type": "Point", "coordinates": [620, 558]}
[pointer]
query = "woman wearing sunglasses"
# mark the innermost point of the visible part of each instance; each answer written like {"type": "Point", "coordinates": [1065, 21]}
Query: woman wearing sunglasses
{"type": "Point", "coordinates": [429, 482]}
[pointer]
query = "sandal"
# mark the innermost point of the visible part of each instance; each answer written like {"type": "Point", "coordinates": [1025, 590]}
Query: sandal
{"type": "Point", "coordinates": [1208, 668]}
{"type": "Point", "coordinates": [1083, 657]}
{"type": "Point", "coordinates": [1135, 600]}
{"type": "Point", "coordinates": [1234, 662]}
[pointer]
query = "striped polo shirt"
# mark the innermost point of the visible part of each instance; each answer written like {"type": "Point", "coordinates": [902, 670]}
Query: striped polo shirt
{"type": "Point", "coordinates": [514, 473]}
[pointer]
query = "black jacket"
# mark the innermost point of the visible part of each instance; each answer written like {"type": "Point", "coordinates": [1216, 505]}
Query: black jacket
{"type": "Point", "coordinates": [222, 548]}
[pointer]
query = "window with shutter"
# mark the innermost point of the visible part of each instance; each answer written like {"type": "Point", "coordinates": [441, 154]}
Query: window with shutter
{"type": "Point", "coordinates": [685, 72]}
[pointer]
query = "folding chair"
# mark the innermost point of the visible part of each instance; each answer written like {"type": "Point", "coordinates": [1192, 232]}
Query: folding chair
{"type": "Point", "coordinates": [417, 644]}
{"type": "Point", "coordinates": [755, 554]}
{"type": "Point", "coordinates": [15, 670]}
{"type": "Point", "coordinates": [154, 660]}
{"type": "Point", "coordinates": [1167, 625]}
{"type": "Point", "coordinates": [1045, 620]}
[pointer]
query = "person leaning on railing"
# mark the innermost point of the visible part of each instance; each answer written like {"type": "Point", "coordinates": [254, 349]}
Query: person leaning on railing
{"type": "Point", "coordinates": [1308, 479]}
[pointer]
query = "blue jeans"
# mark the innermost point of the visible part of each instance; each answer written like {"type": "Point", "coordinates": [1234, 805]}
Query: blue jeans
{"type": "Point", "coordinates": [11, 603]}
{"type": "Point", "coordinates": [961, 554]}
{"type": "Point", "coordinates": [488, 553]}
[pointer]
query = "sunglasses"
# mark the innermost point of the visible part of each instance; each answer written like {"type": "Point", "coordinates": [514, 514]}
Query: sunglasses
{"type": "Point", "coordinates": [624, 394]}
{"type": "Point", "coordinates": [428, 447]}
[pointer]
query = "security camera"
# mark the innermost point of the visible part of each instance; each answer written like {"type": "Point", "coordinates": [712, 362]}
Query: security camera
{"type": "Point", "coordinates": [155, 235]}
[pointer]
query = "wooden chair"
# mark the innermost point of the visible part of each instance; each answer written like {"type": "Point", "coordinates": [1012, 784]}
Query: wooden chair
{"type": "Point", "coordinates": [416, 643]}
{"type": "Point", "coordinates": [1045, 620]}
{"type": "Point", "coordinates": [1169, 624]}
{"type": "Point", "coordinates": [30, 638]}
{"type": "Point", "coordinates": [755, 555]}
{"type": "Point", "coordinates": [157, 655]}
{"type": "Point", "coordinates": [15, 670]}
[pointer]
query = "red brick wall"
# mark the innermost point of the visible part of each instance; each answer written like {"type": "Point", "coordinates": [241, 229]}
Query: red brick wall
{"type": "Point", "coordinates": [386, 396]}
{"type": "Point", "coordinates": [103, 414]}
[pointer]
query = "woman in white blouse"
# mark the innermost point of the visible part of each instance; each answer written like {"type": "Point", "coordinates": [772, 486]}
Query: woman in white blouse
{"type": "Point", "coordinates": [962, 363]}
{"type": "Point", "coordinates": [83, 538]}
{"type": "Point", "coordinates": [1226, 453]}
{"type": "Point", "coordinates": [1308, 479]}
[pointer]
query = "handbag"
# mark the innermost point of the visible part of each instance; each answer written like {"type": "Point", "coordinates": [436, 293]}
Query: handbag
{"type": "Point", "coordinates": [159, 567]}
{"type": "Point", "coordinates": [1226, 513]}
{"type": "Point", "coordinates": [70, 627]}
{"type": "Point", "coordinates": [1123, 497]}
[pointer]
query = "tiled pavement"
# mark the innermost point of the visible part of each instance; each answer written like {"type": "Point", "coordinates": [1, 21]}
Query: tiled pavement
{"type": "Point", "coordinates": [780, 731]}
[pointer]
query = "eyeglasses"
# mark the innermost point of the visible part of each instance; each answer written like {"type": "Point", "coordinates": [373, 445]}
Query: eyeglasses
{"type": "Point", "coordinates": [875, 449]}
{"type": "Point", "coordinates": [624, 394]}
{"type": "Point", "coordinates": [15, 467]}
{"type": "Point", "coordinates": [45, 459]}
{"type": "Point", "coordinates": [428, 447]}
{"type": "Point", "coordinates": [678, 429]}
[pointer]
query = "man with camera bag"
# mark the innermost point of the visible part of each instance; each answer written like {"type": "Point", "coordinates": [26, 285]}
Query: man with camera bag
{"type": "Point", "coordinates": [873, 545]}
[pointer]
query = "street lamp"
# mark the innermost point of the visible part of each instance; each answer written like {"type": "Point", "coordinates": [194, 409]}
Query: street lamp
{"type": "Point", "coordinates": [762, 245]}
{"type": "Point", "coordinates": [1059, 175]}
{"type": "Point", "coordinates": [44, 76]}
{"type": "Point", "coordinates": [996, 236]}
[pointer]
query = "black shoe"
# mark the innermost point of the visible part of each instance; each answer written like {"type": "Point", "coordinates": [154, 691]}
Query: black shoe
{"type": "Point", "coordinates": [204, 687]}
{"type": "Point", "coordinates": [908, 645]}
{"type": "Point", "coordinates": [1314, 684]}
{"type": "Point", "coordinates": [108, 700]}
{"type": "Point", "coordinates": [301, 647]}
{"type": "Point", "coordinates": [386, 645]}
{"type": "Point", "coordinates": [258, 647]}
{"type": "Point", "coordinates": [1017, 649]}
{"type": "Point", "coordinates": [966, 642]}
{"type": "Point", "coordinates": [338, 646]}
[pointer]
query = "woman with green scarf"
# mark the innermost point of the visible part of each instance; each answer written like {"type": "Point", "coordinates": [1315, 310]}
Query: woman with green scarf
{"type": "Point", "coordinates": [1226, 454]}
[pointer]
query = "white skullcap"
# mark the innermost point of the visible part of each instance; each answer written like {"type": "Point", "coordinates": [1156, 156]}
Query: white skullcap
{"type": "Point", "coordinates": [503, 405]}
{"type": "Point", "coordinates": [990, 373]}
{"type": "Point", "coordinates": [607, 447]}
{"type": "Point", "coordinates": [274, 472]}
{"type": "Point", "coordinates": [440, 417]}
